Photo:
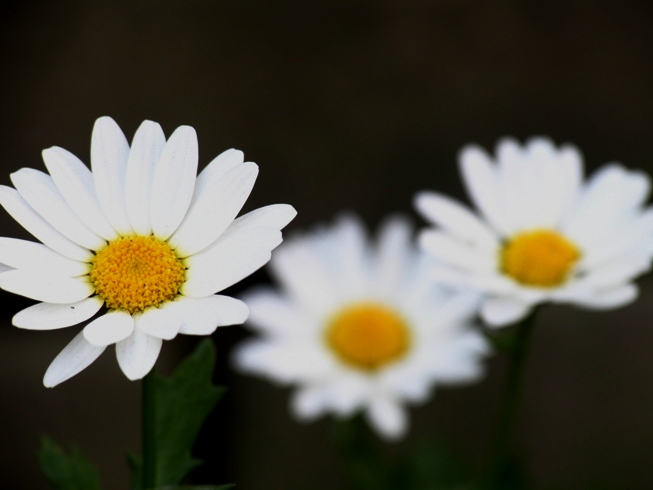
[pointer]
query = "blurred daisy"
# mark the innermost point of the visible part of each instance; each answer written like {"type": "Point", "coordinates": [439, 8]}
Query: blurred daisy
{"type": "Point", "coordinates": [141, 235]}
{"type": "Point", "coordinates": [542, 234]}
{"type": "Point", "coordinates": [360, 326]}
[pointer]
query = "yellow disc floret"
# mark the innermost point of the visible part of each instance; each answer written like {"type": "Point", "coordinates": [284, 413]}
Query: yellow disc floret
{"type": "Point", "coordinates": [539, 258]}
{"type": "Point", "coordinates": [368, 336]}
{"type": "Point", "coordinates": [132, 273]}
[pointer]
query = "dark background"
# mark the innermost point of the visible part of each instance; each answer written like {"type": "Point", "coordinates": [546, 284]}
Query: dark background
{"type": "Point", "coordinates": [357, 106]}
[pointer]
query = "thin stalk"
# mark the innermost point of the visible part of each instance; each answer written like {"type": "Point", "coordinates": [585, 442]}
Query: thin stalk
{"type": "Point", "coordinates": [516, 347]}
{"type": "Point", "coordinates": [148, 431]}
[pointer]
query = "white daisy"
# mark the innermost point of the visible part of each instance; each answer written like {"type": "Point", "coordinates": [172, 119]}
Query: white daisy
{"type": "Point", "coordinates": [543, 234]}
{"type": "Point", "coordinates": [142, 235]}
{"type": "Point", "coordinates": [360, 326]}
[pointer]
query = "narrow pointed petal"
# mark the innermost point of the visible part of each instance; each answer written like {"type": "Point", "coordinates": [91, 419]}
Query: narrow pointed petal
{"type": "Point", "coordinates": [146, 149]}
{"type": "Point", "coordinates": [201, 316]}
{"type": "Point", "coordinates": [213, 209]}
{"type": "Point", "coordinates": [26, 255]}
{"type": "Point", "coordinates": [174, 182]}
{"type": "Point", "coordinates": [138, 353]}
{"type": "Point", "coordinates": [38, 227]}
{"type": "Point", "coordinates": [74, 358]}
{"type": "Point", "coordinates": [75, 182]}
{"type": "Point", "coordinates": [109, 154]}
{"type": "Point", "coordinates": [45, 287]}
{"type": "Point", "coordinates": [110, 328]}
{"type": "Point", "coordinates": [40, 192]}
{"type": "Point", "coordinates": [49, 316]}
{"type": "Point", "coordinates": [162, 322]}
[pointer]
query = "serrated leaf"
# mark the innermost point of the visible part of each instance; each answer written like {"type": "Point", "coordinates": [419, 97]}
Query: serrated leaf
{"type": "Point", "coordinates": [67, 471]}
{"type": "Point", "coordinates": [183, 401]}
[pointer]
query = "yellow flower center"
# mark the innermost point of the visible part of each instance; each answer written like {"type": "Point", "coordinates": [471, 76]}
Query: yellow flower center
{"type": "Point", "coordinates": [368, 336]}
{"type": "Point", "coordinates": [132, 273]}
{"type": "Point", "coordinates": [539, 258]}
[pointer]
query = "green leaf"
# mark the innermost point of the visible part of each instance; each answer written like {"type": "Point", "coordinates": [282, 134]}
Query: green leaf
{"type": "Point", "coordinates": [183, 401]}
{"type": "Point", "coordinates": [67, 471]}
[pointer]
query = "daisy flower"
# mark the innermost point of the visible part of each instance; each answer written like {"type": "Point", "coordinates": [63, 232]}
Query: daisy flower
{"type": "Point", "coordinates": [142, 236]}
{"type": "Point", "coordinates": [542, 234]}
{"type": "Point", "coordinates": [360, 326]}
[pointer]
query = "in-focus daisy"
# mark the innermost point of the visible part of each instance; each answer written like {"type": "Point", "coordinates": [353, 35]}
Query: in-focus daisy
{"type": "Point", "coordinates": [360, 326]}
{"type": "Point", "coordinates": [142, 236]}
{"type": "Point", "coordinates": [542, 234]}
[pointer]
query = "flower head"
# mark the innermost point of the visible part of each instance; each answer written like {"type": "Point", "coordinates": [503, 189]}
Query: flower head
{"type": "Point", "coordinates": [542, 234]}
{"type": "Point", "coordinates": [142, 236]}
{"type": "Point", "coordinates": [360, 326]}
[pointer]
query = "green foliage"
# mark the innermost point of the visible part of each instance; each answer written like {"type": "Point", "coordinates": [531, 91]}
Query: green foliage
{"type": "Point", "coordinates": [197, 487]}
{"type": "Point", "coordinates": [182, 403]}
{"type": "Point", "coordinates": [67, 471]}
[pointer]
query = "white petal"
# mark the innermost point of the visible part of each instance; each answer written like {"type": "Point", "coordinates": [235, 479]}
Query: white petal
{"type": "Point", "coordinates": [213, 209]}
{"type": "Point", "coordinates": [220, 165]}
{"type": "Point", "coordinates": [48, 316]}
{"type": "Point", "coordinates": [75, 357]}
{"type": "Point", "coordinates": [388, 417]}
{"type": "Point", "coordinates": [351, 255]}
{"type": "Point", "coordinates": [138, 353]}
{"type": "Point", "coordinates": [308, 403]}
{"type": "Point", "coordinates": [503, 311]}
{"type": "Point", "coordinates": [110, 328]}
{"type": "Point", "coordinates": [609, 299]}
{"type": "Point", "coordinates": [39, 191]}
{"type": "Point", "coordinates": [393, 252]}
{"type": "Point", "coordinates": [455, 219]}
{"type": "Point", "coordinates": [109, 154]}
{"type": "Point", "coordinates": [443, 247]}
{"type": "Point", "coordinates": [482, 185]}
{"type": "Point", "coordinates": [37, 226]}
{"type": "Point", "coordinates": [162, 322]}
{"type": "Point", "coordinates": [45, 287]}
{"type": "Point", "coordinates": [234, 256]}
{"type": "Point", "coordinates": [273, 313]}
{"type": "Point", "coordinates": [174, 182]}
{"type": "Point", "coordinates": [201, 316]}
{"type": "Point", "coordinates": [23, 254]}
{"type": "Point", "coordinates": [146, 149]}
{"type": "Point", "coordinates": [75, 182]}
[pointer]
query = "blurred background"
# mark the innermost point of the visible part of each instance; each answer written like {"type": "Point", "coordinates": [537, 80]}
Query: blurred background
{"type": "Point", "coordinates": [344, 106]}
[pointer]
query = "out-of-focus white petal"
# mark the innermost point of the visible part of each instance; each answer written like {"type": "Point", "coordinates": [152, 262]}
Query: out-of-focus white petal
{"type": "Point", "coordinates": [503, 311]}
{"type": "Point", "coordinates": [146, 149]}
{"type": "Point", "coordinates": [49, 316]}
{"type": "Point", "coordinates": [109, 155]}
{"type": "Point", "coordinates": [174, 182]}
{"type": "Point", "coordinates": [388, 417]}
{"type": "Point", "coordinates": [110, 328]}
{"type": "Point", "coordinates": [455, 219]}
{"type": "Point", "coordinates": [75, 357]}
{"type": "Point", "coordinates": [75, 182]}
{"type": "Point", "coordinates": [138, 353]}
{"type": "Point", "coordinates": [43, 286]}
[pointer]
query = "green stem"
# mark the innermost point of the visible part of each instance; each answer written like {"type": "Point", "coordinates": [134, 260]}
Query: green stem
{"type": "Point", "coordinates": [516, 347]}
{"type": "Point", "coordinates": [148, 429]}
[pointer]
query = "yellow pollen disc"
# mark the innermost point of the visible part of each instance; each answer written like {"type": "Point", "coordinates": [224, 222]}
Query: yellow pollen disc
{"type": "Point", "coordinates": [132, 273]}
{"type": "Point", "coordinates": [539, 258]}
{"type": "Point", "coordinates": [368, 336]}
